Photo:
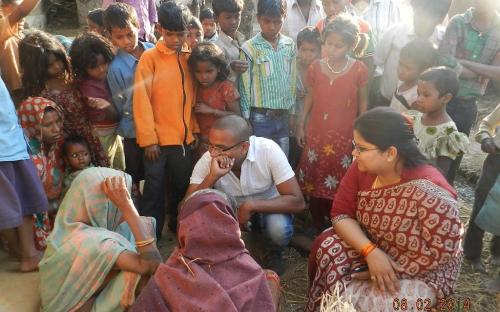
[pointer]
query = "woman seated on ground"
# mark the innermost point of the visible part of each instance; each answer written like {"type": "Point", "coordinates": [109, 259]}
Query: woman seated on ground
{"type": "Point", "coordinates": [396, 229]}
{"type": "Point", "coordinates": [42, 122]}
{"type": "Point", "coordinates": [91, 262]}
{"type": "Point", "coordinates": [210, 270]}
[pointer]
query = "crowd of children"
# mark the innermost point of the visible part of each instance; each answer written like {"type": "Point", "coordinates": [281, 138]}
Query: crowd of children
{"type": "Point", "coordinates": [124, 98]}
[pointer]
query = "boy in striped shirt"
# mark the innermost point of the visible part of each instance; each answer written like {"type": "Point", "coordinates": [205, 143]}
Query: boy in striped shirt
{"type": "Point", "coordinates": [267, 88]}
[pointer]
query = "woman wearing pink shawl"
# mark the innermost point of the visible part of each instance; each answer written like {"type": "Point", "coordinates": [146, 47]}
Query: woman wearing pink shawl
{"type": "Point", "coordinates": [210, 270]}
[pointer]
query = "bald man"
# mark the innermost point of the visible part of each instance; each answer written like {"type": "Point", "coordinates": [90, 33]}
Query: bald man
{"type": "Point", "coordinates": [256, 172]}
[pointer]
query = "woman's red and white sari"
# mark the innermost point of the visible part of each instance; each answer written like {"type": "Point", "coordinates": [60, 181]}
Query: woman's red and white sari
{"type": "Point", "coordinates": [416, 222]}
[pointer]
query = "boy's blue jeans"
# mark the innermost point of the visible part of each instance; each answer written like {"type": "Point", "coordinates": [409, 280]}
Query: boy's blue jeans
{"type": "Point", "coordinates": [271, 124]}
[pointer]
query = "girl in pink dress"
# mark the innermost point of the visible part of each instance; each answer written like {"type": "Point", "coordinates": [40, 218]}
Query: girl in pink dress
{"type": "Point", "coordinates": [336, 95]}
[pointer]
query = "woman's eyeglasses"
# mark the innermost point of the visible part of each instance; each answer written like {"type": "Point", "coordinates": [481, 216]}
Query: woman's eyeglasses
{"type": "Point", "coordinates": [361, 149]}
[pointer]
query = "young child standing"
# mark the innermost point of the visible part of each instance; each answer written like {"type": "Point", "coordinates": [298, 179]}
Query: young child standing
{"type": "Point", "coordinates": [195, 35]}
{"type": "Point", "coordinates": [21, 191]}
{"type": "Point", "coordinates": [216, 96]}
{"type": "Point", "coordinates": [268, 87]}
{"type": "Point", "coordinates": [336, 95]}
{"type": "Point", "coordinates": [428, 14]}
{"type": "Point", "coordinates": [308, 50]}
{"type": "Point", "coordinates": [415, 57]}
{"type": "Point", "coordinates": [54, 81]}
{"type": "Point", "coordinates": [439, 139]}
{"type": "Point", "coordinates": [207, 20]}
{"type": "Point", "coordinates": [90, 56]}
{"type": "Point", "coordinates": [121, 23]}
{"type": "Point", "coordinates": [228, 17]}
{"type": "Point", "coordinates": [146, 15]}
{"type": "Point", "coordinates": [164, 97]}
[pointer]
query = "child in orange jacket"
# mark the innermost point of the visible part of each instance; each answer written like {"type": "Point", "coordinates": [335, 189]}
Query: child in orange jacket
{"type": "Point", "coordinates": [164, 96]}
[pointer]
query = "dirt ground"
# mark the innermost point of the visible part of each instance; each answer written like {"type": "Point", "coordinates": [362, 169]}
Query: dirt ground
{"type": "Point", "coordinates": [19, 292]}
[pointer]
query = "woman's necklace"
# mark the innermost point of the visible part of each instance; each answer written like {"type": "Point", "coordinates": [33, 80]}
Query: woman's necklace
{"type": "Point", "coordinates": [340, 71]}
{"type": "Point", "coordinates": [377, 183]}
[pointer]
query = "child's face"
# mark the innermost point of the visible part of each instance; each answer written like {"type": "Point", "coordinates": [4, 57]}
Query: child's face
{"type": "Point", "coordinates": [229, 22]}
{"type": "Point", "coordinates": [209, 27]}
{"type": "Point", "coordinates": [206, 73]}
{"type": "Point", "coordinates": [78, 156]}
{"type": "Point", "coordinates": [408, 70]}
{"type": "Point", "coordinates": [100, 70]}
{"type": "Point", "coordinates": [56, 69]}
{"type": "Point", "coordinates": [308, 52]}
{"type": "Point", "coordinates": [428, 100]}
{"type": "Point", "coordinates": [334, 7]}
{"type": "Point", "coordinates": [125, 38]}
{"type": "Point", "coordinates": [174, 40]}
{"type": "Point", "coordinates": [195, 36]}
{"type": "Point", "coordinates": [270, 26]}
{"type": "Point", "coordinates": [335, 47]}
{"type": "Point", "coordinates": [95, 27]}
{"type": "Point", "coordinates": [51, 127]}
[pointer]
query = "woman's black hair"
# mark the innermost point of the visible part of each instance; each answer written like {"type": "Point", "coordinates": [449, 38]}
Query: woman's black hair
{"type": "Point", "coordinates": [346, 26]}
{"type": "Point", "coordinates": [422, 52]}
{"type": "Point", "coordinates": [96, 16]}
{"type": "Point", "coordinates": [384, 127]}
{"type": "Point", "coordinates": [34, 51]}
{"type": "Point", "coordinates": [84, 52]}
{"type": "Point", "coordinates": [173, 17]}
{"type": "Point", "coordinates": [209, 52]}
{"type": "Point", "coordinates": [71, 140]}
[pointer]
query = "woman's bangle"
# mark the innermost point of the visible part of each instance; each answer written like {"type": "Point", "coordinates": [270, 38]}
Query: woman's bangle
{"type": "Point", "coordinates": [367, 249]}
{"type": "Point", "coordinates": [144, 243]}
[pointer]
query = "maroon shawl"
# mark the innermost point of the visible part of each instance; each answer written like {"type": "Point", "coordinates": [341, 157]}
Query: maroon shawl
{"type": "Point", "coordinates": [211, 270]}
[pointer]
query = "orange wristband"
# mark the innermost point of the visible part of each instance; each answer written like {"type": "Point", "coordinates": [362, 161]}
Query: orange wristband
{"type": "Point", "coordinates": [365, 251]}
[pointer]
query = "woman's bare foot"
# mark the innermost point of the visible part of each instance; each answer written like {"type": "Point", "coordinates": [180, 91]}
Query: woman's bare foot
{"type": "Point", "coordinates": [30, 264]}
{"type": "Point", "coordinates": [273, 281]}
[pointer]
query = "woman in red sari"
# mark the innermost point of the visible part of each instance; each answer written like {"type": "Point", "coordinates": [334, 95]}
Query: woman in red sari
{"type": "Point", "coordinates": [396, 230]}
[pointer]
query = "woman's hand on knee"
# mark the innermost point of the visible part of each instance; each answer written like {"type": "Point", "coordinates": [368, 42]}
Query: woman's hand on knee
{"type": "Point", "coordinates": [117, 192]}
{"type": "Point", "coordinates": [383, 271]}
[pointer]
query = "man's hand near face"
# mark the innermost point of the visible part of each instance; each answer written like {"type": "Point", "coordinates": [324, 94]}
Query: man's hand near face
{"type": "Point", "coordinates": [220, 166]}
